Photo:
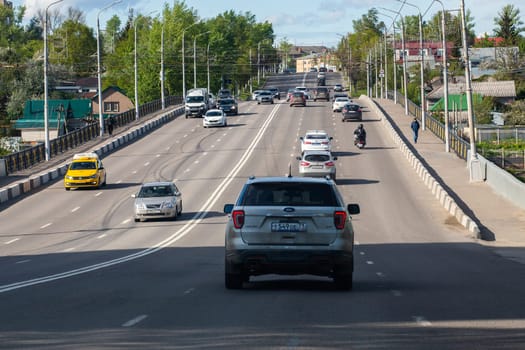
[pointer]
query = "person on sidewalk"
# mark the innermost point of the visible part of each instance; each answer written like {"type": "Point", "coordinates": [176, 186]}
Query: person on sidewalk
{"type": "Point", "coordinates": [415, 129]}
{"type": "Point", "coordinates": [111, 125]}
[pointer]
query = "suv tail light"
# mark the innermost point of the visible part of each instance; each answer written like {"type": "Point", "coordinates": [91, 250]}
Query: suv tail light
{"type": "Point", "coordinates": [330, 163]}
{"type": "Point", "coordinates": [304, 163]}
{"type": "Point", "coordinates": [238, 218]}
{"type": "Point", "coordinates": [339, 219]}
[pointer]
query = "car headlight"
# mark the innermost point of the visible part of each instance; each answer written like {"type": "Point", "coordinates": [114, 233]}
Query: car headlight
{"type": "Point", "coordinates": [167, 205]}
{"type": "Point", "coordinates": [140, 206]}
{"type": "Point", "coordinates": [69, 177]}
{"type": "Point", "coordinates": [233, 107]}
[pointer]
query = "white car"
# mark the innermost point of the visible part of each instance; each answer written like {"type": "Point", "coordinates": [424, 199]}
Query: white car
{"type": "Point", "coordinates": [316, 140]}
{"type": "Point", "coordinates": [305, 90]}
{"type": "Point", "coordinates": [157, 200]}
{"type": "Point", "coordinates": [255, 94]}
{"type": "Point", "coordinates": [339, 103]}
{"type": "Point", "coordinates": [214, 117]}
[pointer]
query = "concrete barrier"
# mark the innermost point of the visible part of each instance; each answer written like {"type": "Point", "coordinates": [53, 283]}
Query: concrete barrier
{"type": "Point", "coordinates": [444, 198]}
{"type": "Point", "coordinates": [49, 176]}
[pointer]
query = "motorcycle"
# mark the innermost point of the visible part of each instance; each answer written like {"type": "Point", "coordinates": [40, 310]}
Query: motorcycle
{"type": "Point", "coordinates": [359, 141]}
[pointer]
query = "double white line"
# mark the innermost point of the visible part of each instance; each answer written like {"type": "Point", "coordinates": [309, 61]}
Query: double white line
{"type": "Point", "coordinates": [183, 231]}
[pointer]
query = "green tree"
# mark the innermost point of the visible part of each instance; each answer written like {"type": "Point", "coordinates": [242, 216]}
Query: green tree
{"type": "Point", "coordinates": [516, 115]}
{"type": "Point", "coordinates": [509, 25]}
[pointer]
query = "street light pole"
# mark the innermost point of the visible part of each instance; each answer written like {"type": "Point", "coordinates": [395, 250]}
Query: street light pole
{"type": "Point", "coordinates": [474, 165]}
{"type": "Point", "coordinates": [422, 67]}
{"type": "Point", "coordinates": [162, 97]}
{"type": "Point", "coordinates": [99, 70]}
{"type": "Point", "coordinates": [445, 77]}
{"type": "Point", "coordinates": [183, 64]}
{"type": "Point", "coordinates": [46, 97]}
{"type": "Point", "coordinates": [403, 48]}
{"type": "Point", "coordinates": [195, 59]}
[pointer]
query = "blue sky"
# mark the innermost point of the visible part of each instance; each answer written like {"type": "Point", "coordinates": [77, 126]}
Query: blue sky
{"type": "Point", "coordinates": [301, 22]}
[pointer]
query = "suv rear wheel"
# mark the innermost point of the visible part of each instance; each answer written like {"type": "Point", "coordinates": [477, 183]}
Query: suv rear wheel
{"type": "Point", "coordinates": [343, 282]}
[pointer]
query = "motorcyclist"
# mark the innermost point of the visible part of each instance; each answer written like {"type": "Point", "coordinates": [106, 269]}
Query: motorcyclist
{"type": "Point", "coordinates": [360, 133]}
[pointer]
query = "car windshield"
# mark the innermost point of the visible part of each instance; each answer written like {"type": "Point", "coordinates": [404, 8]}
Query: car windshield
{"type": "Point", "coordinates": [341, 99]}
{"type": "Point", "coordinates": [226, 101]}
{"type": "Point", "coordinates": [352, 107]}
{"type": "Point", "coordinates": [317, 157]}
{"type": "Point", "coordinates": [155, 191]}
{"type": "Point", "coordinates": [213, 114]}
{"type": "Point", "coordinates": [297, 194]}
{"type": "Point", "coordinates": [83, 166]}
{"type": "Point", "coordinates": [316, 137]}
{"type": "Point", "coordinates": [194, 99]}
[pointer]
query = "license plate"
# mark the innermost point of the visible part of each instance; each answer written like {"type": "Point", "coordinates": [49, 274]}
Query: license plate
{"type": "Point", "coordinates": [317, 166]}
{"type": "Point", "coordinates": [288, 227]}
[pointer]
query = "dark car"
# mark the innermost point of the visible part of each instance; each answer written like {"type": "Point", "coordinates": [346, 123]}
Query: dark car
{"type": "Point", "coordinates": [351, 111]}
{"type": "Point", "coordinates": [298, 99]}
{"type": "Point", "coordinates": [321, 81]}
{"type": "Point", "coordinates": [275, 91]}
{"type": "Point", "coordinates": [224, 93]}
{"type": "Point", "coordinates": [228, 105]}
{"type": "Point", "coordinates": [289, 226]}
{"type": "Point", "coordinates": [321, 93]}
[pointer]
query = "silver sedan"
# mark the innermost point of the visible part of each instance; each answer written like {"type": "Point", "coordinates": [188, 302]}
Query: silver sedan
{"type": "Point", "coordinates": [317, 164]}
{"type": "Point", "coordinates": [157, 200]}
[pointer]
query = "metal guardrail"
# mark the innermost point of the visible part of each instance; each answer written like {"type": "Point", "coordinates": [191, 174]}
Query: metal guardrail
{"type": "Point", "coordinates": [29, 157]}
{"type": "Point", "coordinates": [457, 143]}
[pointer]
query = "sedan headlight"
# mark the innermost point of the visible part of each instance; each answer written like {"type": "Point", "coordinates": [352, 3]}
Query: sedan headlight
{"type": "Point", "coordinates": [69, 177]}
{"type": "Point", "coordinates": [140, 206]}
{"type": "Point", "coordinates": [167, 205]}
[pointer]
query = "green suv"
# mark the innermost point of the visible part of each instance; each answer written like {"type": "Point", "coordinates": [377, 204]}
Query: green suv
{"type": "Point", "coordinates": [289, 226]}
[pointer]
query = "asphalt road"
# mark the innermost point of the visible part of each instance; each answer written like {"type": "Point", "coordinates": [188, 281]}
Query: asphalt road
{"type": "Point", "coordinates": [76, 272]}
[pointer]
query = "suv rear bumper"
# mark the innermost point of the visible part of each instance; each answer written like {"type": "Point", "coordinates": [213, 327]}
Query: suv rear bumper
{"type": "Point", "coordinates": [314, 262]}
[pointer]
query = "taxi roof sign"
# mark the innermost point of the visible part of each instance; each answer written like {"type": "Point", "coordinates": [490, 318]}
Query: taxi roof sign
{"type": "Point", "coordinates": [85, 156]}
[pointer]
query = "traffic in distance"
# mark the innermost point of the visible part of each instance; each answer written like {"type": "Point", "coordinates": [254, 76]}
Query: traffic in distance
{"type": "Point", "coordinates": [164, 265]}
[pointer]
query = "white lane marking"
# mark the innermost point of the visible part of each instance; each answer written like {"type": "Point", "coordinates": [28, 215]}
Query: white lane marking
{"type": "Point", "coordinates": [380, 274]}
{"type": "Point", "coordinates": [119, 182]}
{"type": "Point", "coordinates": [134, 321]}
{"type": "Point", "coordinates": [421, 321]}
{"type": "Point", "coordinates": [12, 241]}
{"type": "Point", "coordinates": [23, 261]}
{"type": "Point", "coordinates": [157, 155]}
{"type": "Point", "coordinates": [177, 235]}
{"type": "Point", "coordinates": [75, 209]}
{"type": "Point", "coordinates": [167, 148]}
{"type": "Point", "coordinates": [219, 140]}
{"type": "Point", "coordinates": [370, 262]}
{"type": "Point", "coordinates": [69, 249]}
{"type": "Point", "coordinates": [146, 164]}
{"type": "Point", "coordinates": [98, 194]}
{"type": "Point", "coordinates": [101, 236]}
{"type": "Point", "coordinates": [361, 253]}
{"type": "Point", "coordinates": [212, 146]}
{"type": "Point", "coordinates": [187, 170]}
{"type": "Point", "coordinates": [196, 162]}
{"type": "Point", "coordinates": [397, 293]}
{"type": "Point", "coordinates": [189, 291]}
{"type": "Point", "coordinates": [125, 221]}
{"type": "Point", "coordinates": [134, 172]}
{"type": "Point", "coordinates": [356, 243]}
{"type": "Point", "coordinates": [186, 135]}
{"type": "Point", "coordinates": [46, 225]}
{"type": "Point", "coordinates": [205, 153]}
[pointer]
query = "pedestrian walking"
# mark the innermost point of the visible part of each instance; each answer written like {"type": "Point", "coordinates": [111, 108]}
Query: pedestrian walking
{"type": "Point", "coordinates": [415, 129]}
{"type": "Point", "coordinates": [111, 123]}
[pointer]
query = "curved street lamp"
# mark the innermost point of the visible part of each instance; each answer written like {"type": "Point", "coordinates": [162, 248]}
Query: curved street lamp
{"type": "Point", "coordinates": [422, 65]}
{"type": "Point", "coordinates": [99, 73]}
{"type": "Point", "coordinates": [183, 65]}
{"type": "Point", "coordinates": [46, 98]}
{"type": "Point", "coordinates": [403, 48]}
{"type": "Point", "coordinates": [195, 58]}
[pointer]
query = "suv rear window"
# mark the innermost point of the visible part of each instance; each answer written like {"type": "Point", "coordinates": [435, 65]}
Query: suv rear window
{"type": "Point", "coordinates": [296, 194]}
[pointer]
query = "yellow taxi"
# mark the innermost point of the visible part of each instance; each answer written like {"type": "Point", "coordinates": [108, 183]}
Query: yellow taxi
{"type": "Point", "coordinates": [86, 170]}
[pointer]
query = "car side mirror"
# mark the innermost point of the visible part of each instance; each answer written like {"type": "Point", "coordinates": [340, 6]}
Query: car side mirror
{"type": "Point", "coordinates": [228, 208]}
{"type": "Point", "coordinates": [298, 158]}
{"type": "Point", "coordinates": [354, 209]}
{"type": "Point", "coordinates": [335, 158]}
{"type": "Point", "coordinates": [301, 138]}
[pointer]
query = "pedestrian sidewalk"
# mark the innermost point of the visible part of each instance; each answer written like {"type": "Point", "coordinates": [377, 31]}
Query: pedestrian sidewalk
{"type": "Point", "coordinates": [500, 222]}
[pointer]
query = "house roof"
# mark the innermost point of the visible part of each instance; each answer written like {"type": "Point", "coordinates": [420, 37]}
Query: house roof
{"type": "Point", "coordinates": [455, 103]}
{"type": "Point", "coordinates": [505, 88]}
{"type": "Point", "coordinates": [34, 112]}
